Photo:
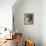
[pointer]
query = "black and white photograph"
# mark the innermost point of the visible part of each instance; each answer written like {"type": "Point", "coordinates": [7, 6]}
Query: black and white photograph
{"type": "Point", "coordinates": [28, 18]}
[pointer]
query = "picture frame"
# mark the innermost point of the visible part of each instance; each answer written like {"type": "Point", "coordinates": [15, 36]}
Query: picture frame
{"type": "Point", "coordinates": [28, 18]}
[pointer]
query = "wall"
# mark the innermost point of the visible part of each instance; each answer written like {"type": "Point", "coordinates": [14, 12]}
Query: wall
{"type": "Point", "coordinates": [32, 32]}
{"type": "Point", "coordinates": [6, 13]}
{"type": "Point", "coordinates": [43, 22]}
{"type": "Point", "coordinates": [6, 16]}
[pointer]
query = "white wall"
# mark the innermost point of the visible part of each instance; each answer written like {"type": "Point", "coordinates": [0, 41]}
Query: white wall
{"type": "Point", "coordinates": [43, 22]}
{"type": "Point", "coordinates": [6, 13]}
{"type": "Point", "coordinates": [36, 31]}
{"type": "Point", "coordinates": [29, 31]}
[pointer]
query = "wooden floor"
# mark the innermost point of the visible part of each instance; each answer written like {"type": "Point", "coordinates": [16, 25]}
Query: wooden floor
{"type": "Point", "coordinates": [9, 43]}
